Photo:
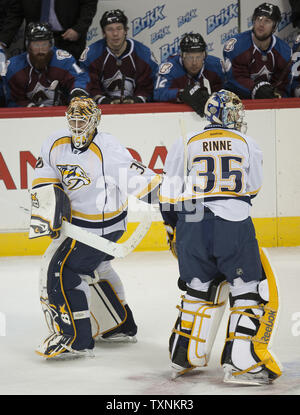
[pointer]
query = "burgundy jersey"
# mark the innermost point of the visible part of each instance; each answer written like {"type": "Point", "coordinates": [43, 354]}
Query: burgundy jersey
{"type": "Point", "coordinates": [130, 75]}
{"type": "Point", "coordinates": [25, 85]}
{"type": "Point", "coordinates": [246, 65]}
{"type": "Point", "coordinates": [173, 78]}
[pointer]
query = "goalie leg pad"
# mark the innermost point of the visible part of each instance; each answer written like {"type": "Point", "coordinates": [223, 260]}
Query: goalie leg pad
{"type": "Point", "coordinates": [65, 306]}
{"type": "Point", "coordinates": [110, 318]}
{"type": "Point", "coordinates": [68, 267]}
{"type": "Point", "coordinates": [106, 272]}
{"type": "Point", "coordinates": [196, 327]}
{"type": "Point", "coordinates": [247, 356]}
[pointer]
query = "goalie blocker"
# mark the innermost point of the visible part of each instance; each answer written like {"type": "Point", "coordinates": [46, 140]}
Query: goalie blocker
{"type": "Point", "coordinates": [50, 205]}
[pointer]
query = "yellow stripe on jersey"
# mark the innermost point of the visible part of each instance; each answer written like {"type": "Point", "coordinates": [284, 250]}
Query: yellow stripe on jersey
{"type": "Point", "coordinates": [44, 180]}
{"type": "Point", "coordinates": [67, 140]}
{"type": "Point", "coordinates": [99, 216]}
{"type": "Point", "coordinates": [59, 142]}
{"type": "Point", "coordinates": [165, 199]}
{"type": "Point", "coordinates": [152, 185]}
{"type": "Point", "coordinates": [254, 192]}
{"type": "Point", "coordinates": [216, 134]}
{"type": "Point", "coordinates": [93, 147]}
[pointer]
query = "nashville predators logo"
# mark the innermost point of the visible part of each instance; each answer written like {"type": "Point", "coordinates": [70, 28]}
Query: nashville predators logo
{"type": "Point", "coordinates": [73, 176]}
{"type": "Point", "coordinates": [64, 315]}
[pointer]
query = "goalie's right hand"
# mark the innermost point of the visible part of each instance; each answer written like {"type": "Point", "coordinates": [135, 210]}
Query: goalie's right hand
{"type": "Point", "coordinates": [171, 239]}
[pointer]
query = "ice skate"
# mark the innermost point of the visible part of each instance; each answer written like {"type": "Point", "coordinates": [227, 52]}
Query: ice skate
{"type": "Point", "coordinates": [254, 379]}
{"type": "Point", "coordinates": [118, 338]}
{"type": "Point", "coordinates": [178, 371]}
{"type": "Point", "coordinates": [125, 333]}
{"type": "Point", "coordinates": [58, 346]}
{"type": "Point", "coordinates": [179, 361]}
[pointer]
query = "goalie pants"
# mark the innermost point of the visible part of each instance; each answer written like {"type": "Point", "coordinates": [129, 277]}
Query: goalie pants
{"type": "Point", "coordinates": [214, 245]}
{"type": "Point", "coordinates": [71, 259]}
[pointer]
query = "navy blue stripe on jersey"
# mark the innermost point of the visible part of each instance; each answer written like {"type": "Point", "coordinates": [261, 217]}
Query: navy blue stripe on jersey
{"type": "Point", "coordinates": [99, 225]}
{"type": "Point", "coordinates": [243, 198]}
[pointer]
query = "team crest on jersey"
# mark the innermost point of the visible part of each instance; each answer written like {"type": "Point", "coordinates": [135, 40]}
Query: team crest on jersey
{"type": "Point", "coordinates": [262, 74]}
{"type": "Point", "coordinates": [165, 68]}
{"type": "Point", "coordinates": [73, 176]}
{"type": "Point", "coordinates": [62, 54]}
{"type": "Point", "coordinates": [229, 45]}
{"type": "Point", "coordinates": [116, 83]}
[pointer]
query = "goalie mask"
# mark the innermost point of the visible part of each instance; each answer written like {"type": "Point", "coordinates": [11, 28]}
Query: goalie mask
{"type": "Point", "coordinates": [83, 117]}
{"type": "Point", "coordinates": [226, 109]}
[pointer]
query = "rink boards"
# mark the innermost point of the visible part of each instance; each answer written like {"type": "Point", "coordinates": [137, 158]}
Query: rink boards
{"type": "Point", "coordinates": [148, 131]}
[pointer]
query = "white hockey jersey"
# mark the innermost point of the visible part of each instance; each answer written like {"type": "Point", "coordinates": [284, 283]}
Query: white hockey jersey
{"type": "Point", "coordinates": [223, 169]}
{"type": "Point", "coordinates": [97, 180]}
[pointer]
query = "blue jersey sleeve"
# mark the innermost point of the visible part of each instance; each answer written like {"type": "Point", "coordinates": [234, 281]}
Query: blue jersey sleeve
{"type": "Point", "coordinates": [295, 69]}
{"type": "Point", "coordinates": [167, 82]}
{"type": "Point", "coordinates": [14, 84]}
{"type": "Point", "coordinates": [75, 77]}
{"type": "Point", "coordinates": [235, 54]}
{"type": "Point", "coordinates": [91, 53]}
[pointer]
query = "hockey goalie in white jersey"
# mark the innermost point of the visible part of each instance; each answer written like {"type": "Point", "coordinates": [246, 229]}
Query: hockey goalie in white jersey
{"type": "Point", "coordinates": [84, 176]}
{"type": "Point", "coordinates": [209, 181]}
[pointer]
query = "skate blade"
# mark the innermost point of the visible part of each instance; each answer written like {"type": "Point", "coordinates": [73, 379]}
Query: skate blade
{"type": "Point", "coordinates": [117, 339]}
{"type": "Point", "coordinates": [67, 354]}
{"type": "Point", "coordinates": [245, 380]}
{"type": "Point", "coordinates": [178, 371]}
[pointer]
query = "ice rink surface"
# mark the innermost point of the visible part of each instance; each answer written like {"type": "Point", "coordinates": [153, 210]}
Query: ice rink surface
{"type": "Point", "coordinates": [150, 281]}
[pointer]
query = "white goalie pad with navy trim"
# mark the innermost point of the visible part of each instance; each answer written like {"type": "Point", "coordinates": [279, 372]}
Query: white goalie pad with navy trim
{"type": "Point", "coordinates": [106, 309]}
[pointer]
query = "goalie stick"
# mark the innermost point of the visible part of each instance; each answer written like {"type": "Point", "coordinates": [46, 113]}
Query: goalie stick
{"type": "Point", "coordinates": [119, 250]}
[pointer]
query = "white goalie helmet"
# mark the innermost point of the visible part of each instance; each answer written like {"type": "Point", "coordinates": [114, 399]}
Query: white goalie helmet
{"type": "Point", "coordinates": [226, 109]}
{"type": "Point", "coordinates": [83, 117]}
